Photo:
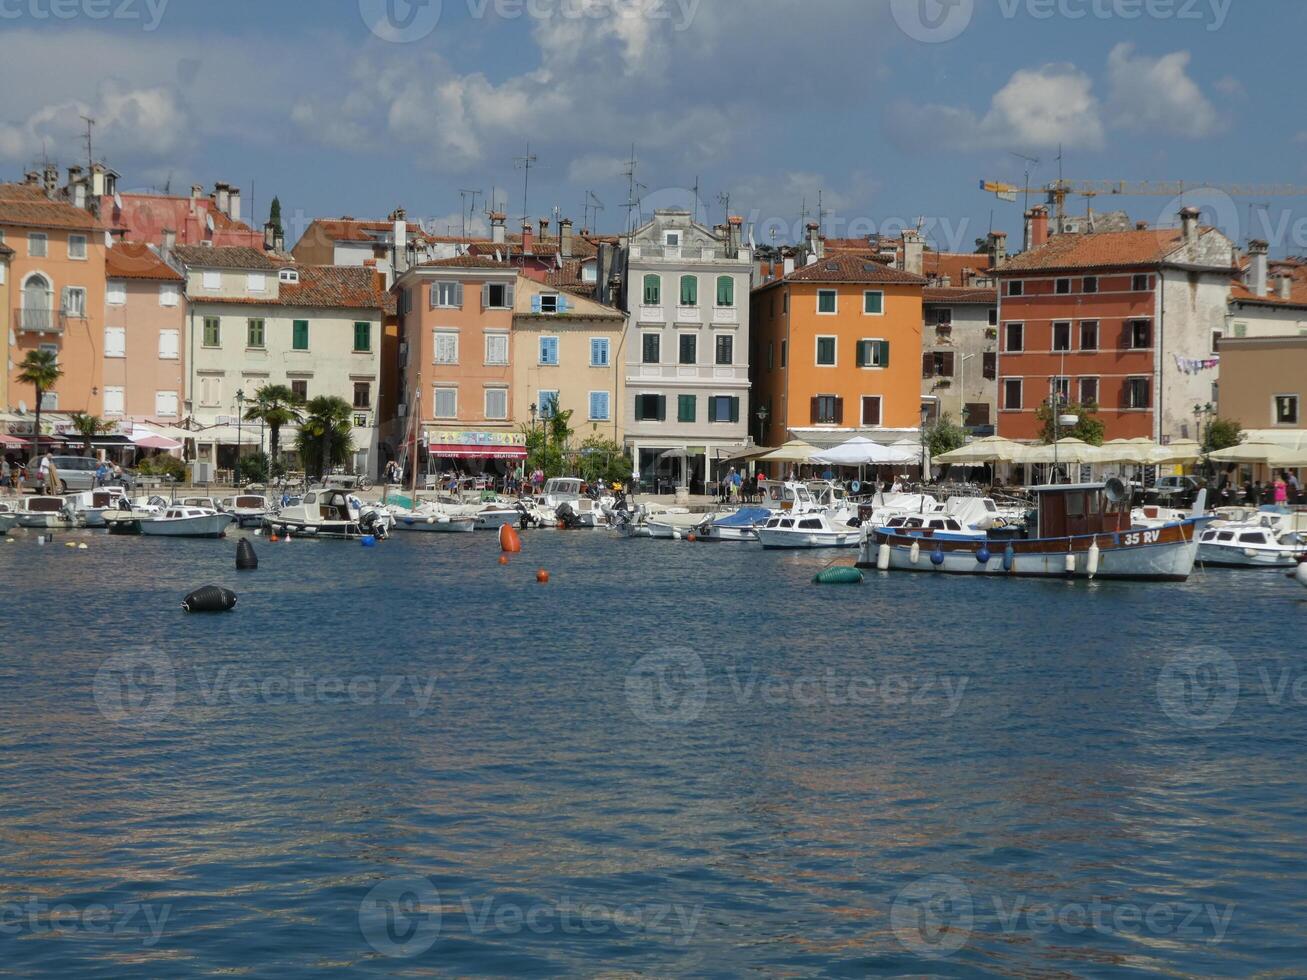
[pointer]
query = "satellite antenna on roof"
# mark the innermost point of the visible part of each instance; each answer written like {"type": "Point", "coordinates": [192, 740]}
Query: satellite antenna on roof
{"type": "Point", "coordinates": [632, 197]}
{"type": "Point", "coordinates": [208, 220]}
{"type": "Point", "coordinates": [525, 163]}
{"type": "Point", "coordinates": [592, 203]}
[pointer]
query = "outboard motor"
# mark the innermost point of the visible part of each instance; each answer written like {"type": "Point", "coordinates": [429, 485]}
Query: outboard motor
{"type": "Point", "coordinates": [567, 516]}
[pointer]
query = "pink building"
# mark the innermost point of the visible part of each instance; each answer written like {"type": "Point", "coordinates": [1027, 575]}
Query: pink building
{"type": "Point", "coordinates": [144, 316]}
{"type": "Point", "coordinates": [196, 220]}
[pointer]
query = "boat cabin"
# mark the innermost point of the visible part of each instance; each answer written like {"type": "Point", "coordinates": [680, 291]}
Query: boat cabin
{"type": "Point", "coordinates": [1069, 509]}
{"type": "Point", "coordinates": [789, 496]}
{"type": "Point", "coordinates": [906, 524]}
{"type": "Point", "coordinates": [183, 513]}
{"type": "Point", "coordinates": [41, 505]}
{"type": "Point", "coordinates": [248, 501]}
{"type": "Point", "coordinates": [208, 503]}
{"type": "Point", "coordinates": [330, 505]}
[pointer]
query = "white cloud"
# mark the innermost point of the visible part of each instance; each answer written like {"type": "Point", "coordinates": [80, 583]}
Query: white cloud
{"type": "Point", "coordinates": [1157, 94]}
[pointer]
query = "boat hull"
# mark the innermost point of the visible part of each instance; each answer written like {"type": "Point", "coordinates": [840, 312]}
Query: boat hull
{"type": "Point", "coordinates": [775, 539]}
{"type": "Point", "coordinates": [493, 520]}
{"type": "Point", "coordinates": [714, 532]}
{"type": "Point", "coordinates": [209, 526]}
{"type": "Point", "coordinates": [434, 525]}
{"type": "Point", "coordinates": [1221, 556]}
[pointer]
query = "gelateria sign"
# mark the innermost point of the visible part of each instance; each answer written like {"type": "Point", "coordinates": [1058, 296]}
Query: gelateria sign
{"type": "Point", "coordinates": [487, 445]}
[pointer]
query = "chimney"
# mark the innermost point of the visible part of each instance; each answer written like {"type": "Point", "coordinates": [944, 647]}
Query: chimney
{"type": "Point", "coordinates": [269, 236]}
{"type": "Point", "coordinates": [604, 273]}
{"type": "Point", "coordinates": [945, 282]}
{"type": "Point", "coordinates": [788, 265]}
{"type": "Point", "coordinates": [74, 175]}
{"type": "Point", "coordinates": [497, 229]}
{"type": "Point", "coordinates": [1141, 226]}
{"type": "Point", "coordinates": [1189, 224]}
{"type": "Point", "coordinates": [968, 274]}
{"type": "Point", "coordinates": [997, 249]}
{"type": "Point", "coordinates": [565, 238]}
{"type": "Point", "coordinates": [544, 229]}
{"type": "Point", "coordinates": [279, 242]}
{"type": "Point", "coordinates": [1283, 285]}
{"type": "Point", "coordinates": [196, 192]}
{"type": "Point", "coordinates": [1036, 227]}
{"type": "Point", "coordinates": [528, 243]}
{"type": "Point", "coordinates": [234, 202]}
{"type": "Point", "coordinates": [816, 244]}
{"type": "Point", "coordinates": [222, 196]}
{"type": "Point", "coordinates": [914, 252]}
{"type": "Point", "coordinates": [1257, 267]}
{"type": "Point", "coordinates": [169, 241]}
{"type": "Point", "coordinates": [51, 178]}
{"type": "Point", "coordinates": [98, 180]}
{"type": "Point", "coordinates": [735, 235]}
{"type": "Point", "coordinates": [401, 243]}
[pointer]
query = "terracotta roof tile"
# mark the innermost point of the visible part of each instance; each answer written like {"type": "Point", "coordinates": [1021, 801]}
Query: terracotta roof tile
{"type": "Point", "coordinates": [28, 207]}
{"type": "Point", "coordinates": [467, 262]}
{"type": "Point", "coordinates": [848, 267]}
{"type": "Point", "coordinates": [229, 257]}
{"type": "Point", "coordinates": [323, 287]}
{"type": "Point", "coordinates": [959, 294]}
{"type": "Point", "coordinates": [1101, 250]}
{"type": "Point", "coordinates": [136, 260]}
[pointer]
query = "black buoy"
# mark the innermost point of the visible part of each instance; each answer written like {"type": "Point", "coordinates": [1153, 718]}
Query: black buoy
{"type": "Point", "coordinates": [245, 557]}
{"type": "Point", "coordinates": [210, 598]}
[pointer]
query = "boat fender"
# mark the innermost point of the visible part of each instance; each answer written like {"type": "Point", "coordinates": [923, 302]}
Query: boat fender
{"type": "Point", "coordinates": [1095, 553]}
{"type": "Point", "coordinates": [1301, 573]}
{"type": "Point", "coordinates": [838, 575]}
{"type": "Point", "coordinates": [1009, 559]}
{"type": "Point", "coordinates": [937, 557]}
{"type": "Point", "coordinates": [882, 557]}
{"type": "Point", "coordinates": [245, 557]}
{"type": "Point", "coordinates": [368, 540]}
{"type": "Point", "coordinates": [210, 598]}
{"type": "Point", "coordinates": [408, 520]}
{"type": "Point", "coordinates": [1070, 564]}
{"type": "Point", "coordinates": [914, 553]}
{"type": "Point", "coordinates": [983, 555]}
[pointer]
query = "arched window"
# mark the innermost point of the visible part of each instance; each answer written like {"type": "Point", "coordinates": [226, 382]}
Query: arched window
{"type": "Point", "coordinates": [689, 290]}
{"type": "Point", "coordinates": [725, 290]}
{"type": "Point", "coordinates": [37, 303]}
{"type": "Point", "coordinates": [653, 289]}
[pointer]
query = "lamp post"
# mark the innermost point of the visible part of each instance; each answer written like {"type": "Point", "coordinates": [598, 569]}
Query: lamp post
{"type": "Point", "coordinates": [762, 414]}
{"type": "Point", "coordinates": [240, 414]}
{"type": "Point", "coordinates": [1202, 412]}
{"type": "Point", "coordinates": [925, 412]}
{"type": "Point", "coordinates": [962, 390]}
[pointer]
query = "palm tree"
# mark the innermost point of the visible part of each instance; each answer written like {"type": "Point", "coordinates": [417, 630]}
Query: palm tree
{"type": "Point", "coordinates": [41, 370]}
{"type": "Point", "coordinates": [275, 406]}
{"type": "Point", "coordinates": [88, 427]}
{"type": "Point", "coordinates": [324, 436]}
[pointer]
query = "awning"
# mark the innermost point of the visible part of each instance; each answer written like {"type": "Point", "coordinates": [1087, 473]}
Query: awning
{"type": "Point", "coordinates": [152, 440]}
{"type": "Point", "coordinates": [476, 452]}
{"type": "Point", "coordinates": [12, 442]}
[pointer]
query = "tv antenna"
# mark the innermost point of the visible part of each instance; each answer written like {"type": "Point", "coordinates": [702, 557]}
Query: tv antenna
{"type": "Point", "coordinates": [467, 211]}
{"type": "Point", "coordinates": [525, 163]}
{"type": "Point", "coordinates": [592, 204]}
{"type": "Point", "coordinates": [1031, 162]}
{"type": "Point", "coordinates": [724, 199]}
{"type": "Point", "coordinates": [633, 190]}
{"type": "Point", "coordinates": [90, 156]}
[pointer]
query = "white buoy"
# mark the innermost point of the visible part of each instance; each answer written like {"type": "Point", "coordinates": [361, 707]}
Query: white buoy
{"type": "Point", "coordinates": [70, 544]}
{"type": "Point", "coordinates": [676, 535]}
{"type": "Point", "coordinates": [882, 557]}
{"type": "Point", "coordinates": [914, 555]}
{"type": "Point", "coordinates": [431, 520]}
{"type": "Point", "coordinates": [1070, 564]}
{"type": "Point", "coordinates": [83, 547]}
{"type": "Point", "coordinates": [1092, 565]}
{"type": "Point", "coordinates": [1301, 573]}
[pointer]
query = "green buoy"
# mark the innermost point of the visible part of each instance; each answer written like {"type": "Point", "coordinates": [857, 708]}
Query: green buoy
{"type": "Point", "coordinates": [838, 575]}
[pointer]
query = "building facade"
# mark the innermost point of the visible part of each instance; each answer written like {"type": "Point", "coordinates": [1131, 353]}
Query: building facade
{"type": "Point", "coordinates": [6, 314]}
{"type": "Point", "coordinates": [1269, 299]}
{"type": "Point", "coordinates": [959, 362]}
{"type": "Point", "coordinates": [836, 352]}
{"type": "Point", "coordinates": [1264, 382]}
{"type": "Point", "coordinates": [144, 323]}
{"type": "Point", "coordinates": [686, 292]}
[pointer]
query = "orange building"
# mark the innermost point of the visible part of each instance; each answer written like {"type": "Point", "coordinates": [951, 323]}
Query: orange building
{"type": "Point", "coordinates": [144, 323]}
{"type": "Point", "coordinates": [836, 351]}
{"type": "Point", "coordinates": [56, 287]}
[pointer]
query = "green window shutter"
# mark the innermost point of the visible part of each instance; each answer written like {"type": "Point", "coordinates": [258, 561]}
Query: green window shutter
{"type": "Point", "coordinates": [300, 335]}
{"type": "Point", "coordinates": [725, 291]}
{"type": "Point", "coordinates": [689, 290]}
{"type": "Point", "coordinates": [712, 409]}
{"type": "Point", "coordinates": [362, 336]}
{"type": "Point", "coordinates": [662, 407]}
{"type": "Point", "coordinates": [735, 409]}
{"type": "Point", "coordinates": [652, 290]}
{"type": "Point", "coordinates": [687, 408]}
{"type": "Point", "coordinates": [873, 302]}
{"type": "Point", "coordinates": [864, 353]}
{"type": "Point", "coordinates": [884, 353]}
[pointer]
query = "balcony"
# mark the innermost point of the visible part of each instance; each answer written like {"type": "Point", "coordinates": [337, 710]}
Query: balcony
{"type": "Point", "coordinates": [39, 320]}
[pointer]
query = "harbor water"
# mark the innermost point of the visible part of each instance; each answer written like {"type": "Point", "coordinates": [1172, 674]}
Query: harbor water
{"type": "Point", "coordinates": [671, 759]}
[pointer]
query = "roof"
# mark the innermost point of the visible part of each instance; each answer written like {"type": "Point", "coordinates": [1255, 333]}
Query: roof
{"type": "Point", "coordinates": [136, 260]}
{"type": "Point", "coordinates": [229, 257]}
{"type": "Point", "coordinates": [959, 295]}
{"type": "Point", "coordinates": [27, 206]}
{"type": "Point", "coordinates": [467, 262]}
{"type": "Point", "coordinates": [361, 230]}
{"type": "Point", "coordinates": [582, 308]}
{"type": "Point", "coordinates": [546, 248]}
{"type": "Point", "coordinates": [321, 286]}
{"type": "Point", "coordinates": [1297, 272]}
{"type": "Point", "coordinates": [569, 278]}
{"type": "Point", "coordinates": [1099, 250]}
{"type": "Point", "coordinates": [954, 265]}
{"type": "Point", "coordinates": [848, 267]}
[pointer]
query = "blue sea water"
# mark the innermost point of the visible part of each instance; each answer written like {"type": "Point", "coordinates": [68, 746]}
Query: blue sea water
{"type": "Point", "coordinates": [672, 759]}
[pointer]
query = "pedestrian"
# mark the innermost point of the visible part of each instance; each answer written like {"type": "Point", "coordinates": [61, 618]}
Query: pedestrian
{"type": "Point", "coordinates": [1295, 488]}
{"type": "Point", "coordinates": [6, 474]}
{"type": "Point", "coordinates": [760, 485]}
{"type": "Point", "coordinates": [101, 473]}
{"type": "Point", "coordinates": [1281, 492]}
{"type": "Point", "coordinates": [46, 474]}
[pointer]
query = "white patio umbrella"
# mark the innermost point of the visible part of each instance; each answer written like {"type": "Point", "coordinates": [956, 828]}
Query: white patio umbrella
{"type": "Point", "coordinates": [1140, 451]}
{"type": "Point", "coordinates": [794, 451]}
{"type": "Point", "coordinates": [861, 451]}
{"type": "Point", "coordinates": [1252, 452]}
{"type": "Point", "coordinates": [991, 449]}
{"type": "Point", "coordinates": [1069, 450]}
{"type": "Point", "coordinates": [1179, 451]}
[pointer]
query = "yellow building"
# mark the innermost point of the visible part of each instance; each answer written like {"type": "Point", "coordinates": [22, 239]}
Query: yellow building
{"type": "Point", "coordinates": [568, 351]}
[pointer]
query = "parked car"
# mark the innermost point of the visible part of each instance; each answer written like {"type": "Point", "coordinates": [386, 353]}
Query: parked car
{"type": "Point", "coordinates": [75, 472]}
{"type": "Point", "coordinates": [1176, 491]}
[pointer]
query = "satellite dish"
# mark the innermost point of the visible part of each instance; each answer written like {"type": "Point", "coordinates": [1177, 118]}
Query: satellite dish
{"type": "Point", "coordinates": [208, 220]}
{"type": "Point", "coordinates": [1115, 490]}
{"type": "Point", "coordinates": [117, 200]}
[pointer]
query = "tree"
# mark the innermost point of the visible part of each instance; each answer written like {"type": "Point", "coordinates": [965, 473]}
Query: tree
{"type": "Point", "coordinates": [1089, 427]}
{"type": "Point", "coordinates": [603, 460]}
{"type": "Point", "coordinates": [944, 435]}
{"type": "Point", "coordinates": [88, 427]}
{"type": "Point", "coordinates": [275, 406]}
{"type": "Point", "coordinates": [546, 442]}
{"type": "Point", "coordinates": [1222, 434]}
{"type": "Point", "coordinates": [324, 437]}
{"type": "Point", "coordinates": [274, 218]}
{"type": "Point", "coordinates": [41, 370]}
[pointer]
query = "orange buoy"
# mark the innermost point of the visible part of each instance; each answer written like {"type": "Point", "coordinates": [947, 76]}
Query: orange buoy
{"type": "Point", "coordinates": [691, 537]}
{"type": "Point", "coordinates": [503, 559]}
{"type": "Point", "coordinates": [509, 540]}
{"type": "Point", "coordinates": [274, 537]}
{"type": "Point", "coordinates": [542, 576]}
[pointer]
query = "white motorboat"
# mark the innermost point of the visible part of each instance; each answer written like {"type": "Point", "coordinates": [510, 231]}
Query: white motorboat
{"type": "Point", "coordinates": [564, 497]}
{"type": "Point", "coordinates": [1250, 546]}
{"type": "Point", "coordinates": [672, 523]}
{"type": "Point", "coordinates": [249, 509]}
{"type": "Point", "coordinates": [934, 525]}
{"type": "Point", "coordinates": [430, 518]}
{"type": "Point", "coordinates": [180, 521]}
{"type": "Point", "coordinates": [330, 513]}
{"type": "Point", "coordinates": [8, 517]}
{"type": "Point", "coordinates": [89, 506]}
{"type": "Point", "coordinates": [807, 530]}
{"type": "Point", "coordinates": [44, 512]}
{"type": "Point", "coordinates": [741, 526]}
{"type": "Point", "coordinates": [127, 520]}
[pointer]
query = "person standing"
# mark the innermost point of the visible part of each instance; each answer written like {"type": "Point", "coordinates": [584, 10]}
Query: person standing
{"type": "Point", "coordinates": [6, 474]}
{"type": "Point", "coordinates": [1294, 487]}
{"type": "Point", "coordinates": [1280, 492]}
{"type": "Point", "coordinates": [45, 473]}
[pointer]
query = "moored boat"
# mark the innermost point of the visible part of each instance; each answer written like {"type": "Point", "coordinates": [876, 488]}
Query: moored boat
{"type": "Point", "coordinates": [1250, 546]}
{"type": "Point", "coordinates": [741, 526]}
{"type": "Point", "coordinates": [807, 530]}
{"type": "Point", "coordinates": [325, 512]}
{"type": "Point", "coordinates": [180, 521]}
{"type": "Point", "coordinates": [44, 512]}
{"type": "Point", "coordinates": [249, 509]}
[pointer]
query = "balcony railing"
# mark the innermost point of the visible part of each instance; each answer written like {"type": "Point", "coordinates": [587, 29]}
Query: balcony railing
{"type": "Point", "coordinates": [39, 320]}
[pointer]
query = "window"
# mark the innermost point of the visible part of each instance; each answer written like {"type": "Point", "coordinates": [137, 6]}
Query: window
{"type": "Point", "coordinates": [549, 351]}
{"type": "Point", "coordinates": [299, 335]}
{"type": "Point", "coordinates": [873, 302]}
{"type": "Point", "coordinates": [1141, 283]}
{"type": "Point", "coordinates": [1091, 284]}
{"type": "Point", "coordinates": [672, 238]}
{"type": "Point", "coordinates": [1136, 393]}
{"type": "Point", "coordinates": [165, 404]}
{"type": "Point", "coordinates": [362, 394]}
{"type": "Point", "coordinates": [497, 403]}
{"type": "Point", "coordinates": [1241, 329]}
{"type": "Point", "coordinates": [362, 337]}
{"type": "Point", "coordinates": [871, 410]}
{"type": "Point", "coordinates": [254, 335]}
{"type": "Point", "coordinates": [725, 350]}
{"type": "Point", "coordinates": [169, 295]}
{"type": "Point", "coordinates": [212, 280]}
{"type": "Point", "coordinates": [827, 301]}
{"type": "Point", "coordinates": [168, 345]}
{"type": "Point", "coordinates": [653, 290]}
{"type": "Point", "coordinates": [937, 364]}
{"type": "Point", "coordinates": [1016, 287]}
{"type": "Point", "coordinates": [1063, 286]}
{"type": "Point", "coordinates": [115, 293]}
{"type": "Point", "coordinates": [74, 301]}
{"type": "Point", "coordinates": [1015, 338]}
{"type": "Point", "coordinates": [1012, 393]}
{"type": "Point", "coordinates": [549, 304]}
{"type": "Point", "coordinates": [993, 316]}
{"type": "Point", "coordinates": [447, 295]}
{"type": "Point", "coordinates": [944, 317]}
{"type": "Point", "coordinates": [1089, 335]}
{"type": "Point", "coordinates": [1286, 409]}
{"type": "Point", "coordinates": [77, 246]}
{"type": "Point", "coordinates": [256, 282]}
{"type": "Point", "coordinates": [1088, 391]}
{"type": "Point", "coordinates": [301, 388]}
{"type": "Point", "coordinates": [212, 332]}
{"type": "Point", "coordinates": [651, 348]}
{"type": "Point", "coordinates": [723, 408]}
{"type": "Point", "coordinates": [1059, 389]}
{"type": "Point", "coordinates": [827, 410]}
{"type": "Point", "coordinates": [785, 346]}
{"type": "Point", "coordinates": [291, 276]}
{"type": "Point", "coordinates": [497, 348]}
{"type": "Point", "coordinates": [687, 408]}
{"type": "Point", "coordinates": [785, 302]}
{"type": "Point", "coordinates": [687, 346]}
{"type": "Point", "coordinates": [497, 296]}
{"type": "Point", "coordinates": [650, 408]}
{"type": "Point", "coordinates": [689, 290]}
{"type": "Point", "coordinates": [598, 406]}
{"type": "Point", "coordinates": [49, 401]}
{"type": "Point", "coordinates": [771, 356]}
{"type": "Point", "coordinates": [989, 365]}
{"type": "Point", "coordinates": [445, 343]}
{"type": "Point", "coordinates": [113, 401]}
{"type": "Point", "coordinates": [547, 399]}
{"type": "Point", "coordinates": [1139, 335]}
{"type": "Point", "coordinates": [975, 414]}
{"type": "Point", "coordinates": [1061, 336]}
{"type": "Point", "coordinates": [825, 351]}
{"type": "Point", "coordinates": [873, 353]}
{"type": "Point", "coordinates": [36, 244]}
{"type": "Point", "coordinates": [446, 406]}
{"type": "Point", "coordinates": [599, 352]}
{"type": "Point", "coordinates": [725, 290]}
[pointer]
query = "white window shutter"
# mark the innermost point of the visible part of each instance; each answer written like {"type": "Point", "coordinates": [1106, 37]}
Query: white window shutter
{"type": "Point", "coordinates": [458, 294]}
{"type": "Point", "coordinates": [485, 295]}
{"type": "Point", "coordinates": [508, 295]}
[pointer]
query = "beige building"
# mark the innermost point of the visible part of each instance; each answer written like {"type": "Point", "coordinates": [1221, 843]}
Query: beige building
{"type": "Point", "coordinates": [568, 351]}
{"type": "Point", "coordinates": [1264, 382]}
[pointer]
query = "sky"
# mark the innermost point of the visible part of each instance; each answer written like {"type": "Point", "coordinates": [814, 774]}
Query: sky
{"type": "Point", "coordinates": [891, 110]}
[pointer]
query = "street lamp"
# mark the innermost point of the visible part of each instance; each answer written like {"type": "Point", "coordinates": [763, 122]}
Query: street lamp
{"type": "Point", "coordinates": [240, 414]}
{"type": "Point", "coordinates": [1202, 412]}
{"type": "Point", "coordinates": [925, 413]}
{"type": "Point", "coordinates": [762, 414]}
